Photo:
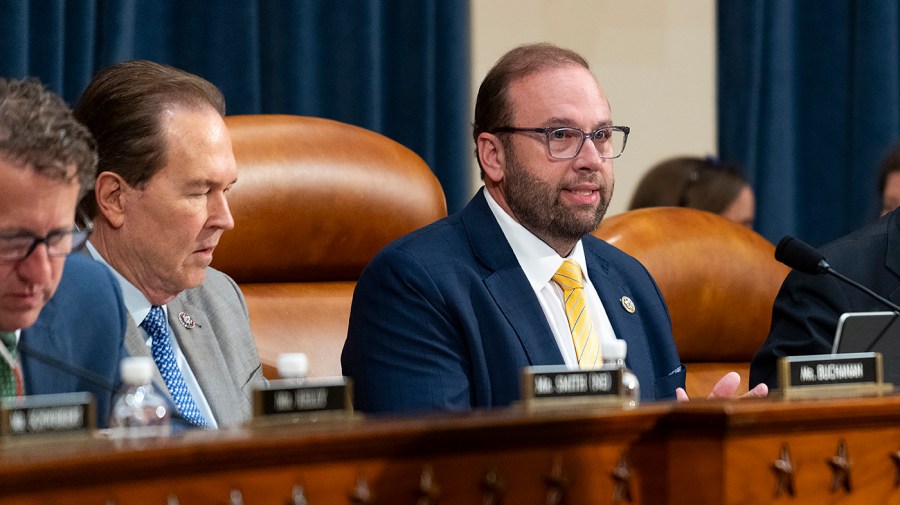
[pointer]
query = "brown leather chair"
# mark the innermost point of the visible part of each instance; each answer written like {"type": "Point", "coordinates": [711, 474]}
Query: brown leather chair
{"type": "Point", "coordinates": [719, 280]}
{"type": "Point", "coordinates": [315, 200]}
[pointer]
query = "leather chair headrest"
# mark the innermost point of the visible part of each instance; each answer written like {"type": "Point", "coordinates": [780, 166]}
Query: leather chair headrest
{"type": "Point", "coordinates": [316, 199]}
{"type": "Point", "coordinates": [718, 278]}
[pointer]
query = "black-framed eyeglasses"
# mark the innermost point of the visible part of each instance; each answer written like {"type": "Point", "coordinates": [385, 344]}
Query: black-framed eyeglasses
{"type": "Point", "coordinates": [564, 143]}
{"type": "Point", "coordinates": [59, 243]}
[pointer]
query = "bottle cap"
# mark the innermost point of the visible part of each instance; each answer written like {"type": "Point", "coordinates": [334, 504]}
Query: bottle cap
{"type": "Point", "coordinates": [614, 350]}
{"type": "Point", "coordinates": [292, 365]}
{"type": "Point", "coordinates": [137, 370]}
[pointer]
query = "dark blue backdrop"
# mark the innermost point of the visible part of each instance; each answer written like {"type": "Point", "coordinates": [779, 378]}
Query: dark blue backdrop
{"type": "Point", "coordinates": [400, 67]}
{"type": "Point", "coordinates": [809, 102]}
{"type": "Point", "coordinates": [809, 90]}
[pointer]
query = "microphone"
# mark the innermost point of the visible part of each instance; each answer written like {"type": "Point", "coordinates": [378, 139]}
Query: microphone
{"type": "Point", "coordinates": [805, 258]}
{"type": "Point", "coordinates": [801, 256]}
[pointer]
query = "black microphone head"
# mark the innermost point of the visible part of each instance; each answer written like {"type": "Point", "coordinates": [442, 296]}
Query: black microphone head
{"type": "Point", "coordinates": [801, 256]}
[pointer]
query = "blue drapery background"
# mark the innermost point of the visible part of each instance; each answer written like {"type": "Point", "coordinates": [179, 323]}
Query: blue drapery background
{"type": "Point", "coordinates": [809, 102]}
{"type": "Point", "coordinates": [809, 91]}
{"type": "Point", "coordinates": [400, 68]}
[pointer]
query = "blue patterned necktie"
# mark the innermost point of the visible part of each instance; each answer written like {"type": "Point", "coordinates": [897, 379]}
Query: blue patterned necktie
{"type": "Point", "coordinates": [156, 326]}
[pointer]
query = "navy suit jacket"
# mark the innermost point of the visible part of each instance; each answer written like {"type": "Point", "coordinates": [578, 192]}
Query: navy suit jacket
{"type": "Point", "coordinates": [445, 319]}
{"type": "Point", "coordinates": [77, 342]}
{"type": "Point", "coordinates": [808, 307]}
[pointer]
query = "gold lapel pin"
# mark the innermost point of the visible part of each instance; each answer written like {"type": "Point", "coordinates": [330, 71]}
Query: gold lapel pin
{"type": "Point", "coordinates": [628, 304]}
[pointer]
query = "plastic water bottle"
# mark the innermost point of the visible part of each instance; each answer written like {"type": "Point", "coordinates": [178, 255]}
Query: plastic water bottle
{"type": "Point", "coordinates": [139, 410]}
{"type": "Point", "coordinates": [614, 354]}
{"type": "Point", "coordinates": [292, 366]}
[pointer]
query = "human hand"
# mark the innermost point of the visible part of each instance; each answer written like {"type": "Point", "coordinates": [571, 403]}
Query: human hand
{"type": "Point", "coordinates": [727, 388]}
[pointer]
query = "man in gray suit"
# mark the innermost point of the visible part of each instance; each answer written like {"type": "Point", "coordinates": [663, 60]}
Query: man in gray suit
{"type": "Point", "coordinates": [159, 207]}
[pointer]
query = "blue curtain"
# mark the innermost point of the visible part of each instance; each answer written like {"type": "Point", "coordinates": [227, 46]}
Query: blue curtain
{"type": "Point", "coordinates": [400, 68]}
{"type": "Point", "coordinates": [809, 102]}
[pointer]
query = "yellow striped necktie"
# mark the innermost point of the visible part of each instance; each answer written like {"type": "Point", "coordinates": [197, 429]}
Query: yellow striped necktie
{"type": "Point", "coordinates": [587, 345]}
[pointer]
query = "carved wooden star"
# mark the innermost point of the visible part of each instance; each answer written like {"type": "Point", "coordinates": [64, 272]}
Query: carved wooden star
{"type": "Point", "coordinates": [896, 458]}
{"type": "Point", "coordinates": [361, 494]}
{"type": "Point", "coordinates": [493, 486]}
{"type": "Point", "coordinates": [784, 471]}
{"type": "Point", "coordinates": [298, 497]}
{"type": "Point", "coordinates": [429, 491]}
{"type": "Point", "coordinates": [621, 474]}
{"type": "Point", "coordinates": [840, 469]}
{"type": "Point", "coordinates": [557, 483]}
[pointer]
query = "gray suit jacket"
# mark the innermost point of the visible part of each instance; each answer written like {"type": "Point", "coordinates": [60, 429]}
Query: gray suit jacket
{"type": "Point", "coordinates": [219, 348]}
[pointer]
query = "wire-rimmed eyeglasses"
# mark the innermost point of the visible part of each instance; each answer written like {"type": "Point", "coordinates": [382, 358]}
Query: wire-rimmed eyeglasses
{"type": "Point", "coordinates": [19, 246]}
{"type": "Point", "coordinates": [566, 142]}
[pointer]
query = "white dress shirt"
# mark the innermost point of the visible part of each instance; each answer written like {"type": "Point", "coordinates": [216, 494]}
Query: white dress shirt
{"type": "Point", "coordinates": [138, 307]}
{"type": "Point", "coordinates": [539, 262]}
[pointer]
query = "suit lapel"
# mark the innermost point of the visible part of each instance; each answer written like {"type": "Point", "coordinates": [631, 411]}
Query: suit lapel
{"type": "Point", "coordinates": [523, 312]}
{"type": "Point", "coordinates": [135, 341]}
{"type": "Point", "coordinates": [41, 336]}
{"type": "Point", "coordinates": [508, 285]}
{"type": "Point", "coordinates": [205, 358]}
{"type": "Point", "coordinates": [627, 325]}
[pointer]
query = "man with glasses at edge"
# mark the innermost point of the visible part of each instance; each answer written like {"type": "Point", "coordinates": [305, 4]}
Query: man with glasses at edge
{"type": "Point", "coordinates": [446, 318]}
{"type": "Point", "coordinates": [73, 341]}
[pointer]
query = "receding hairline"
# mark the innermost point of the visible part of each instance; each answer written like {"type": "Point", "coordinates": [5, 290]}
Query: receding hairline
{"type": "Point", "coordinates": [513, 84]}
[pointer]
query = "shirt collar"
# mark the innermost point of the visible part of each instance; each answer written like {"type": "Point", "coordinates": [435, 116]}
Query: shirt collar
{"type": "Point", "coordinates": [538, 260]}
{"type": "Point", "coordinates": [136, 303]}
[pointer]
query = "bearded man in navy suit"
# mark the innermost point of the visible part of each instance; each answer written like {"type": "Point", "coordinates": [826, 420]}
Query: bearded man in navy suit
{"type": "Point", "coordinates": [446, 318]}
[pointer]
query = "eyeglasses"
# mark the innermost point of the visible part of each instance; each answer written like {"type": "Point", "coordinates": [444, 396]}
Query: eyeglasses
{"type": "Point", "coordinates": [59, 243]}
{"type": "Point", "coordinates": [565, 143]}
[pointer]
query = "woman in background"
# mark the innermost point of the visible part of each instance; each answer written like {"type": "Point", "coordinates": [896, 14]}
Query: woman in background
{"type": "Point", "coordinates": [698, 183]}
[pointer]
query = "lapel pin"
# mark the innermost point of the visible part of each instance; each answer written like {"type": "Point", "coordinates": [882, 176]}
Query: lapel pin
{"type": "Point", "coordinates": [188, 322]}
{"type": "Point", "coordinates": [628, 304]}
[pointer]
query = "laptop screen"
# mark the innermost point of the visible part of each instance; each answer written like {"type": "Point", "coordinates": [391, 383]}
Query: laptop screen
{"type": "Point", "coordinates": [871, 332]}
